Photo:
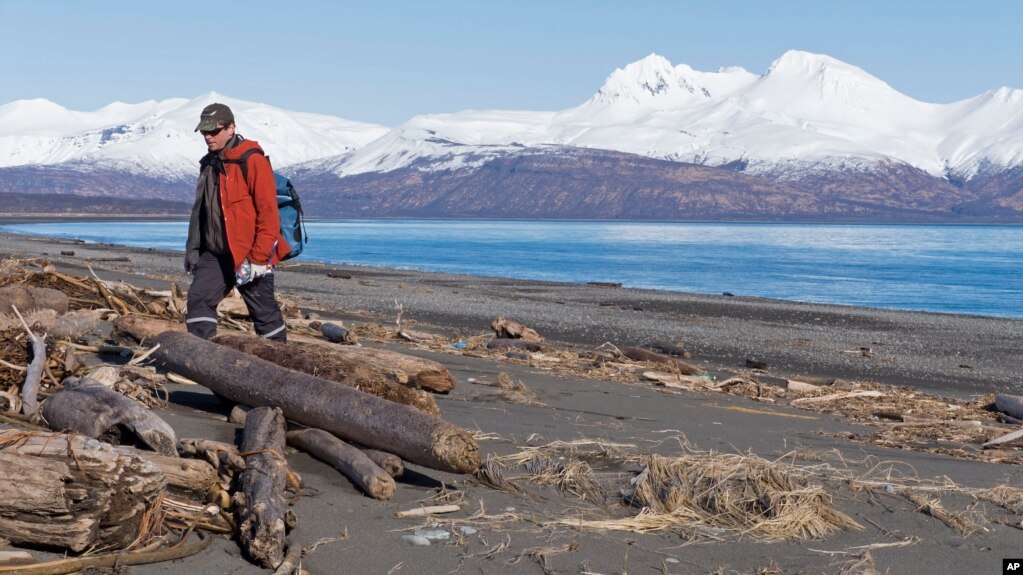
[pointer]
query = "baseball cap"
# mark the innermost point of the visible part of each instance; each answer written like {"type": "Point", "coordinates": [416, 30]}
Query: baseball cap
{"type": "Point", "coordinates": [214, 116]}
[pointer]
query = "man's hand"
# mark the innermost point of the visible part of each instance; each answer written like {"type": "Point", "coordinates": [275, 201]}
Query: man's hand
{"type": "Point", "coordinates": [188, 266]}
{"type": "Point", "coordinates": [259, 271]}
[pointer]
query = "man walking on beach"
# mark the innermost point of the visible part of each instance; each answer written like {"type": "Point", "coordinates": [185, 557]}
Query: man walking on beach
{"type": "Point", "coordinates": [234, 235]}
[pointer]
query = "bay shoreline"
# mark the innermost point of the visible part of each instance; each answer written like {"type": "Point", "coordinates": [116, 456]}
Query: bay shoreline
{"type": "Point", "coordinates": [960, 355]}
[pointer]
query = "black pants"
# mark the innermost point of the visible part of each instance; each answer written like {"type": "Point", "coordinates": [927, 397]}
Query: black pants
{"type": "Point", "coordinates": [213, 279]}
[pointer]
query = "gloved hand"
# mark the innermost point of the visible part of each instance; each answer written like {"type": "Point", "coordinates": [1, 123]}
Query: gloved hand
{"type": "Point", "coordinates": [188, 266]}
{"type": "Point", "coordinates": [259, 271]}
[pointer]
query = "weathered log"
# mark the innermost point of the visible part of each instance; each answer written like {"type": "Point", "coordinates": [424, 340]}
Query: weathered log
{"type": "Point", "coordinates": [34, 373]}
{"type": "Point", "coordinates": [1010, 404]}
{"type": "Point", "coordinates": [509, 343]}
{"type": "Point", "coordinates": [505, 327]}
{"type": "Point", "coordinates": [260, 497]}
{"type": "Point", "coordinates": [670, 349]}
{"type": "Point", "coordinates": [639, 354]}
{"type": "Point", "coordinates": [351, 462]}
{"type": "Point", "coordinates": [224, 455]}
{"type": "Point", "coordinates": [145, 328]}
{"type": "Point", "coordinates": [389, 462]}
{"type": "Point", "coordinates": [321, 404]}
{"type": "Point", "coordinates": [800, 386]}
{"type": "Point", "coordinates": [75, 324]}
{"type": "Point", "coordinates": [16, 558]}
{"type": "Point", "coordinates": [187, 474]}
{"type": "Point", "coordinates": [337, 333]}
{"type": "Point", "coordinates": [77, 498]}
{"type": "Point", "coordinates": [238, 413]}
{"type": "Point", "coordinates": [323, 362]}
{"type": "Point", "coordinates": [27, 299]}
{"type": "Point", "coordinates": [407, 370]}
{"type": "Point", "coordinates": [90, 408]}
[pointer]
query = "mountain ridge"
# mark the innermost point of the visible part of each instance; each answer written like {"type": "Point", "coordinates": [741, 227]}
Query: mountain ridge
{"type": "Point", "coordinates": [811, 124]}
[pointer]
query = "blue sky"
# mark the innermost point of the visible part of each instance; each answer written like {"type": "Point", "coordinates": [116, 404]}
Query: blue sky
{"type": "Point", "coordinates": [385, 61]}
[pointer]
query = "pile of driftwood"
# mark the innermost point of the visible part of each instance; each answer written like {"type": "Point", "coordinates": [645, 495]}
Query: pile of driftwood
{"type": "Point", "coordinates": [87, 463]}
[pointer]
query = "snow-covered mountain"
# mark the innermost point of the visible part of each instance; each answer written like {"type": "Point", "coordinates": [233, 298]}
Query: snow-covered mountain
{"type": "Point", "coordinates": [812, 137]}
{"type": "Point", "coordinates": [808, 111]}
{"type": "Point", "coordinates": [158, 139]}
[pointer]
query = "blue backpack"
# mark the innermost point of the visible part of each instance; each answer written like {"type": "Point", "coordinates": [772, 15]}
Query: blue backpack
{"type": "Point", "coordinates": [288, 207]}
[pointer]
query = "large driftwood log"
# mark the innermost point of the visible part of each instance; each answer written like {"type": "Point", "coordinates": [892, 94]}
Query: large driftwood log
{"type": "Point", "coordinates": [323, 362]}
{"type": "Point", "coordinates": [321, 404]}
{"type": "Point", "coordinates": [27, 299]}
{"type": "Point", "coordinates": [506, 328]}
{"type": "Point", "coordinates": [351, 462]}
{"type": "Point", "coordinates": [639, 354]}
{"type": "Point", "coordinates": [260, 497]}
{"type": "Point", "coordinates": [76, 498]}
{"type": "Point", "coordinates": [89, 407]}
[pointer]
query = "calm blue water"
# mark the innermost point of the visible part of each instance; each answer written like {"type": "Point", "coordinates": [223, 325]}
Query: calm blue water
{"type": "Point", "coordinates": [958, 269]}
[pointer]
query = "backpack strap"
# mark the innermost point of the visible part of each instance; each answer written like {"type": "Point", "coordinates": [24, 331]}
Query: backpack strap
{"type": "Point", "coordinates": [243, 162]}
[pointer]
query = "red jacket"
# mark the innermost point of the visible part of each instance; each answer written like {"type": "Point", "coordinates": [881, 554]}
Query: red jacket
{"type": "Point", "coordinates": [250, 208]}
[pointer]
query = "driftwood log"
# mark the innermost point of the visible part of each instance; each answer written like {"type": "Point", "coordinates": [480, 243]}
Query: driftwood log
{"type": "Point", "coordinates": [640, 354]}
{"type": "Point", "coordinates": [27, 299]}
{"type": "Point", "coordinates": [389, 462]}
{"type": "Point", "coordinates": [321, 404]}
{"type": "Point", "coordinates": [337, 333]}
{"type": "Point", "coordinates": [87, 496]}
{"type": "Point", "coordinates": [668, 348]}
{"type": "Point", "coordinates": [323, 362]}
{"type": "Point", "coordinates": [351, 462]}
{"type": "Point", "coordinates": [260, 497]}
{"type": "Point", "coordinates": [88, 407]}
{"type": "Point", "coordinates": [507, 328]}
{"type": "Point", "coordinates": [33, 375]}
{"type": "Point", "coordinates": [408, 370]}
{"type": "Point", "coordinates": [143, 328]}
{"type": "Point", "coordinates": [1011, 405]}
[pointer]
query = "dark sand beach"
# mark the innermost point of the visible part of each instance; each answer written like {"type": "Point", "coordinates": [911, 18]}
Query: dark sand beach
{"type": "Point", "coordinates": [540, 530]}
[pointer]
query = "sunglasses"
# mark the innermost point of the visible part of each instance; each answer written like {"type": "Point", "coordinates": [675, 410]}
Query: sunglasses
{"type": "Point", "coordinates": [212, 132]}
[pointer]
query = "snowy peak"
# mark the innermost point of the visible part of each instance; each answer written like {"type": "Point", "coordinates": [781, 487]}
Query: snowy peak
{"type": "Point", "coordinates": [654, 81]}
{"type": "Point", "coordinates": [158, 138]}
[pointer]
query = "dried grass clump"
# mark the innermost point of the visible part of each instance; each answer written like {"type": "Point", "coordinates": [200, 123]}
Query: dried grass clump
{"type": "Point", "coordinates": [1005, 496]}
{"type": "Point", "coordinates": [705, 494]}
{"type": "Point", "coordinates": [516, 391]}
{"type": "Point", "coordinates": [375, 331]}
{"type": "Point", "coordinates": [742, 493]}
